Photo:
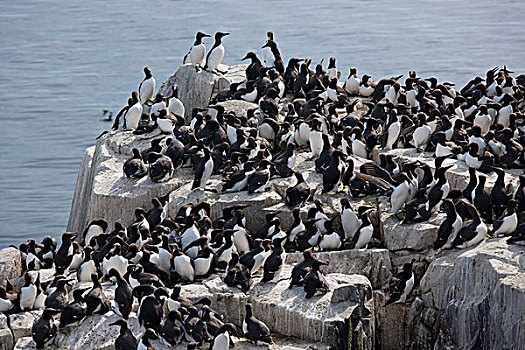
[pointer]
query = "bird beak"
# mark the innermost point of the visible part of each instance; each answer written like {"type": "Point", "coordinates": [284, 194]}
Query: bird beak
{"type": "Point", "coordinates": [206, 35]}
{"type": "Point", "coordinates": [265, 45]}
{"type": "Point", "coordinates": [245, 57]}
{"type": "Point", "coordinates": [224, 34]}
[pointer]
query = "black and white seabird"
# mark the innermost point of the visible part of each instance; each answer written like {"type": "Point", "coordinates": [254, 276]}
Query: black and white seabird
{"type": "Point", "coordinates": [58, 300]}
{"type": "Point", "coordinates": [145, 340]}
{"type": "Point", "coordinates": [197, 52]}
{"type": "Point", "coordinates": [44, 329]}
{"type": "Point", "coordinates": [508, 223]}
{"type": "Point", "coordinates": [74, 312]}
{"type": "Point", "coordinates": [151, 310]}
{"type": "Point", "coordinates": [349, 220]}
{"type": "Point", "coordinates": [252, 71]}
{"type": "Point", "coordinates": [275, 54]}
{"type": "Point", "coordinates": [258, 180]}
{"type": "Point", "coordinates": [222, 339]}
{"type": "Point", "coordinates": [126, 340]}
{"type": "Point", "coordinates": [274, 263]}
{"type": "Point", "coordinates": [237, 275]}
{"type": "Point", "coordinates": [300, 270]}
{"type": "Point", "coordinates": [203, 170]}
{"type": "Point", "coordinates": [123, 295]}
{"type": "Point", "coordinates": [96, 300]}
{"type": "Point", "coordinates": [216, 53]}
{"type": "Point", "coordinates": [254, 329]}
{"type": "Point", "coordinates": [161, 167]}
{"type": "Point", "coordinates": [27, 294]}
{"type": "Point", "coordinates": [134, 167]}
{"type": "Point", "coordinates": [333, 175]}
{"type": "Point", "coordinates": [147, 87]}
{"type": "Point", "coordinates": [314, 280]}
{"type": "Point", "coordinates": [134, 113]}
{"type": "Point", "coordinates": [449, 228]}
{"type": "Point", "coordinates": [365, 233]}
{"type": "Point", "coordinates": [171, 329]}
{"type": "Point", "coordinates": [64, 254]}
{"type": "Point", "coordinates": [298, 194]}
{"type": "Point", "coordinates": [402, 284]}
{"type": "Point", "coordinates": [6, 303]}
{"type": "Point", "coordinates": [473, 233]}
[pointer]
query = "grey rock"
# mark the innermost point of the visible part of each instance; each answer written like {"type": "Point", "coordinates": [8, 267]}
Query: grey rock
{"type": "Point", "coordinates": [239, 107]}
{"type": "Point", "coordinates": [103, 191]}
{"type": "Point", "coordinates": [6, 336]}
{"type": "Point", "coordinates": [197, 88]}
{"type": "Point", "coordinates": [322, 318]}
{"type": "Point", "coordinates": [22, 323]}
{"type": "Point", "coordinates": [398, 236]}
{"type": "Point", "coordinates": [478, 294]}
{"type": "Point", "coordinates": [218, 201]}
{"type": "Point", "coordinates": [25, 343]}
{"type": "Point", "coordinates": [371, 263]}
{"type": "Point", "coordinates": [10, 265]}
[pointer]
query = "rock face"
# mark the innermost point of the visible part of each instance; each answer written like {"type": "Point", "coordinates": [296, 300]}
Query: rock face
{"type": "Point", "coordinates": [6, 336]}
{"type": "Point", "coordinates": [10, 265]}
{"type": "Point", "coordinates": [22, 323]}
{"type": "Point", "coordinates": [339, 318]}
{"type": "Point", "coordinates": [479, 296]}
{"type": "Point", "coordinates": [374, 264]}
{"type": "Point", "coordinates": [197, 88]}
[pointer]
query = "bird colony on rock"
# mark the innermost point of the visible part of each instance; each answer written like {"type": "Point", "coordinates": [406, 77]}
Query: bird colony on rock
{"type": "Point", "coordinates": [339, 123]}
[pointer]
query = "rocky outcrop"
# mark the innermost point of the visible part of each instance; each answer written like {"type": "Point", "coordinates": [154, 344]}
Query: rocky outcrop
{"type": "Point", "coordinates": [478, 296]}
{"type": "Point", "coordinates": [472, 298]}
{"type": "Point", "coordinates": [101, 185]}
{"type": "Point", "coordinates": [10, 265]}
{"type": "Point", "coordinates": [6, 335]}
{"type": "Point", "coordinates": [337, 318]}
{"type": "Point", "coordinates": [197, 88]}
{"type": "Point", "coordinates": [374, 264]}
{"type": "Point", "coordinates": [22, 323]}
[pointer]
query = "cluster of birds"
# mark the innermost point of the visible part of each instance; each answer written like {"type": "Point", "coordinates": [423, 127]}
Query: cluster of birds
{"type": "Point", "coordinates": [148, 261]}
{"type": "Point", "coordinates": [480, 124]}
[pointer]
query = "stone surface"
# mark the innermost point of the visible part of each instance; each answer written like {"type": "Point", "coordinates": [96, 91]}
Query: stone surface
{"type": "Point", "coordinates": [372, 263]}
{"type": "Point", "coordinates": [6, 336]}
{"type": "Point", "coordinates": [414, 237]}
{"type": "Point", "coordinates": [25, 343]}
{"type": "Point", "coordinates": [239, 107]}
{"type": "Point", "coordinates": [218, 201]}
{"type": "Point", "coordinates": [22, 323]}
{"type": "Point", "coordinates": [94, 332]}
{"type": "Point", "coordinates": [197, 88]}
{"type": "Point", "coordinates": [10, 265]}
{"type": "Point", "coordinates": [333, 318]}
{"type": "Point", "coordinates": [478, 295]}
{"type": "Point", "coordinates": [103, 191]}
{"type": "Point", "coordinates": [344, 313]}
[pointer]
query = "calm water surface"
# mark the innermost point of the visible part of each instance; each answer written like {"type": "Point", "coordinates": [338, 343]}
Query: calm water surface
{"type": "Point", "coordinates": [63, 62]}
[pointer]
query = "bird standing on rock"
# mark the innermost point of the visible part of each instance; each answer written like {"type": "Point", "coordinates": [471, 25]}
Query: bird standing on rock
{"type": "Point", "coordinates": [216, 54]}
{"type": "Point", "coordinates": [147, 87]}
{"type": "Point", "coordinates": [402, 284]}
{"type": "Point", "coordinates": [197, 53]}
{"type": "Point", "coordinates": [253, 329]}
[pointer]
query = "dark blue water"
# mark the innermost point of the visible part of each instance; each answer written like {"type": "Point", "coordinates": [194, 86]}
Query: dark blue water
{"type": "Point", "coordinates": [62, 62]}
